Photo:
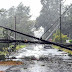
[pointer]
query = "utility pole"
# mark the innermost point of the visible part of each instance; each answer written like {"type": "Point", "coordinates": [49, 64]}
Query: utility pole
{"type": "Point", "coordinates": [60, 24]}
{"type": "Point", "coordinates": [15, 30]}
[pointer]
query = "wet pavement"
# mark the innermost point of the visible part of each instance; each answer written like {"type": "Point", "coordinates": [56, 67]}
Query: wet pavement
{"type": "Point", "coordinates": [38, 51]}
{"type": "Point", "coordinates": [3, 68]}
{"type": "Point", "coordinates": [54, 65]}
{"type": "Point", "coordinates": [38, 59]}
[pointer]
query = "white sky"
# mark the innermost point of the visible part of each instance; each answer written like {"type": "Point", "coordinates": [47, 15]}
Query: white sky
{"type": "Point", "coordinates": [35, 5]}
{"type": "Point", "coordinates": [67, 2]}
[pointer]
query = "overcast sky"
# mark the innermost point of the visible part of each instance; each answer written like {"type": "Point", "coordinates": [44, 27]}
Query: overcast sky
{"type": "Point", "coordinates": [35, 5]}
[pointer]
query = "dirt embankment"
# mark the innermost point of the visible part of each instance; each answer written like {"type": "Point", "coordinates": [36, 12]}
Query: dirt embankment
{"type": "Point", "coordinates": [4, 63]}
{"type": "Point", "coordinates": [10, 63]}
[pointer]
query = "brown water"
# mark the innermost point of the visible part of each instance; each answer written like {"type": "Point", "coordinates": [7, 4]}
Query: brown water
{"type": "Point", "coordinates": [53, 65]}
{"type": "Point", "coordinates": [52, 60]}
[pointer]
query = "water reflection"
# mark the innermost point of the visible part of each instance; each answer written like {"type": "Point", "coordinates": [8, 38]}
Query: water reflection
{"type": "Point", "coordinates": [3, 68]}
{"type": "Point", "coordinates": [38, 51]}
{"type": "Point", "coordinates": [53, 65]}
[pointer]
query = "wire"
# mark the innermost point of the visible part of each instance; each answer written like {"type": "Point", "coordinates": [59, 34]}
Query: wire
{"type": "Point", "coordinates": [58, 19]}
{"type": "Point", "coordinates": [45, 42]}
{"type": "Point", "coordinates": [54, 22]}
{"type": "Point", "coordinates": [36, 42]}
{"type": "Point", "coordinates": [50, 27]}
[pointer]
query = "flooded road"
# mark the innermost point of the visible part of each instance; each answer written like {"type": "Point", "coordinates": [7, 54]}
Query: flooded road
{"type": "Point", "coordinates": [39, 51]}
{"type": "Point", "coordinates": [42, 66]}
{"type": "Point", "coordinates": [3, 68]}
{"type": "Point", "coordinates": [38, 59]}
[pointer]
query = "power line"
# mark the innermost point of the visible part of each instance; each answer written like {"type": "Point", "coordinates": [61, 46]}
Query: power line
{"type": "Point", "coordinates": [54, 22]}
{"type": "Point", "coordinates": [44, 41]}
{"type": "Point", "coordinates": [52, 32]}
{"type": "Point", "coordinates": [58, 19]}
{"type": "Point", "coordinates": [50, 27]}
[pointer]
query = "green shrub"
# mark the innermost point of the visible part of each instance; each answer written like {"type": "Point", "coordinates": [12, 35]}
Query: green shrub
{"type": "Point", "coordinates": [69, 54]}
{"type": "Point", "coordinates": [70, 41]}
{"type": "Point", "coordinates": [2, 57]}
{"type": "Point", "coordinates": [56, 37]}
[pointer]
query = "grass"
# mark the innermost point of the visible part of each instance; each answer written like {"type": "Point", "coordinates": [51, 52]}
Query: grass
{"type": "Point", "coordinates": [3, 52]}
{"type": "Point", "coordinates": [20, 46]}
{"type": "Point", "coordinates": [63, 49]}
{"type": "Point", "coordinates": [17, 48]}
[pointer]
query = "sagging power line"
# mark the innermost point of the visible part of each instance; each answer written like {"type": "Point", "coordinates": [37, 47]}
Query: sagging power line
{"type": "Point", "coordinates": [56, 20]}
{"type": "Point", "coordinates": [44, 41]}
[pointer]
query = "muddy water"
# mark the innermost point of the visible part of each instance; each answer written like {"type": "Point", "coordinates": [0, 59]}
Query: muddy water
{"type": "Point", "coordinates": [47, 60]}
{"type": "Point", "coordinates": [38, 51]}
{"type": "Point", "coordinates": [53, 65]}
{"type": "Point", "coordinates": [3, 68]}
{"type": "Point", "coordinates": [51, 60]}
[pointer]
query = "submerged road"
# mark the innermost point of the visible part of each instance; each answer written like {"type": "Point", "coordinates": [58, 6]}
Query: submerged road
{"type": "Point", "coordinates": [43, 60]}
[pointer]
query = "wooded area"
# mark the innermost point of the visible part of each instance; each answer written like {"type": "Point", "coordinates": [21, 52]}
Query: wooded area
{"type": "Point", "coordinates": [49, 15]}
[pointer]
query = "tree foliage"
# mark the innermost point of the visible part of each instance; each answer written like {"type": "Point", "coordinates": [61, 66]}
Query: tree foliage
{"type": "Point", "coordinates": [48, 14]}
{"type": "Point", "coordinates": [67, 23]}
{"type": "Point", "coordinates": [23, 22]}
{"type": "Point", "coordinates": [56, 37]}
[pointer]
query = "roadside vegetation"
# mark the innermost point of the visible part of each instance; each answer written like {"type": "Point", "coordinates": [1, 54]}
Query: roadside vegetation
{"type": "Point", "coordinates": [20, 46]}
{"type": "Point", "coordinates": [63, 49]}
{"type": "Point", "coordinates": [5, 50]}
{"type": "Point", "coordinates": [56, 38]}
{"type": "Point", "coordinates": [23, 24]}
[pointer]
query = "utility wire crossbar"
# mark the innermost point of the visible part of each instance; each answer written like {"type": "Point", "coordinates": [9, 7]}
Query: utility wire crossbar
{"type": "Point", "coordinates": [42, 41]}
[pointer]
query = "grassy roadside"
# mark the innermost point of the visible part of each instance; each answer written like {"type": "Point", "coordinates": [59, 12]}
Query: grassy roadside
{"type": "Point", "coordinates": [10, 62]}
{"type": "Point", "coordinates": [20, 46]}
{"type": "Point", "coordinates": [63, 49]}
{"type": "Point", "coordinates": [3, 52]}
{"type": "Point", "coordinates": [17, 48]}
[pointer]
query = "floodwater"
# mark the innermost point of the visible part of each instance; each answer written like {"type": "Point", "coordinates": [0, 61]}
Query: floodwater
{"type": "Point", "coordinates": [42, 66]}
{"type": "Point", "coordinates": [38, 51]}
{"type": "Point", "coordinates": [46, 60]}
{"type": "Point", "coordinates": [3, 68]}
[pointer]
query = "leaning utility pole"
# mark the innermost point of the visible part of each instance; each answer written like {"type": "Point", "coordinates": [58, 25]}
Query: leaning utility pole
{"type": "Point", "coordinates": [60, 24]}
